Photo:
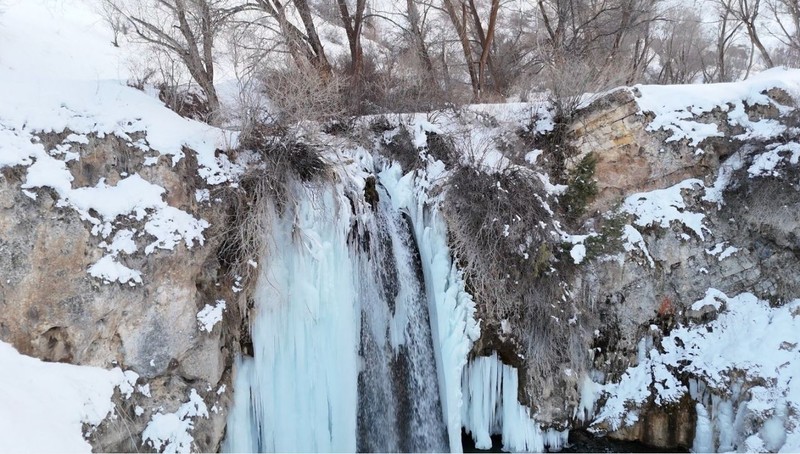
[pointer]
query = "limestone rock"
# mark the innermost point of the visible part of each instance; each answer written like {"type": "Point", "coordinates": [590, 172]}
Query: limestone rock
{"type": "Point", "coordinates": [52, 309]}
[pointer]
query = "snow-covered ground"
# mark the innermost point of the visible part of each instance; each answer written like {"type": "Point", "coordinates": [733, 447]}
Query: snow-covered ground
{"type": "Point", "coordinates": [43, 406]}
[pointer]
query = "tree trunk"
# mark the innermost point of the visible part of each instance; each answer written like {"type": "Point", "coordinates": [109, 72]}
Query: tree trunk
{"type": "Point", "coordinates": [353, 28]}
{"type": "Point", "coordinates": [485, 40]}
{"type": "Point", "coordinates": [461, 30]}
{"type": "Point", "coordinates": [751, 30]}
{"type": "Point", "coordinates": [201, 66]}
{"type": "Point", "coordinates": [320, 61]}
{"type": "Point", "coordinates": [419, 40]}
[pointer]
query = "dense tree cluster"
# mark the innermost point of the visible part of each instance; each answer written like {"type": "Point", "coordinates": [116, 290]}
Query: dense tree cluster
{"type": "Point", "coordinates": [370, 56]}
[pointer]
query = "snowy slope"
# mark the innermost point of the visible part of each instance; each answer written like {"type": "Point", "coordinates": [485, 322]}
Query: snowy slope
{"type": "Point", "coordinates": [43, 406]}
{"type": "Point", "coordinates": [59, 72]}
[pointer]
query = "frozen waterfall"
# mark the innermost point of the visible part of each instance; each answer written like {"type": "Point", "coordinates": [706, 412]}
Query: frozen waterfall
{"type": "Point", "coordinates": [343, 353]}
{"type": "Point", "coordinates": [362, 328]}
{"type": "Point", "coordinates": [299, 391]}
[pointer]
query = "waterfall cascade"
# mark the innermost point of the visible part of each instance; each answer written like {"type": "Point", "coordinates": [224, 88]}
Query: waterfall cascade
{"type": "Point", "coordinates": [399, 407]}
{"type": "Point", "coordinates": [362, 330]}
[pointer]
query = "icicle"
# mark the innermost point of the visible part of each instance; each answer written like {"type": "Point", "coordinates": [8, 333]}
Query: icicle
{"type": "Point", "coordinates": [242, 433]}
{"type": "Point", "coordinates": [492, 407]}
{"type": "Point", "coordinates": [704, 434]}
{"type": "Point", "coordinates": [303, 379]}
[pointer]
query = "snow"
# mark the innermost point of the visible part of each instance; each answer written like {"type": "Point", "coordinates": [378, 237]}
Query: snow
{"type": "Point", "coordinates": [721, 360]}
{"type": "Point", "coordinates": [765, 163]}
{"type": "Point", "coordinates": [52, 397]}
{"type": "Point", "coordinates": [170, 432]}
{"type": "Point", "coordinates": [131, 196]}
{"type": "Point", "coordinates": [478, 131]}
{"type": "Point", "coordinates": [721, 252]}
{"type": "Point", "coordinates": [676, 108]}
{"type": "Point", "coordinates": [210, 315]}
{"type": "Point", "coordinates": [123, 242]}
{"type": "Point", "coordinates": [550, 188]}
{"type": "Point", "coordinates": [663, 206]}
{"type": "Point", "coordinates": [632, 240]}
{"type": "Point", "coordinates": [101, 205]}
{"type": "Point", "coordinates": [578, 253]}
{"type": "Point", "coordinates": [532, 156]}
{"type": "Point", "coordinates": [110, 270]}
{"type": "Point", "coordinates": [713, 298]}
{"type": "Point", "coordinates": [726, 169]}
{"type": "Point", "coordinates": [420, 129]}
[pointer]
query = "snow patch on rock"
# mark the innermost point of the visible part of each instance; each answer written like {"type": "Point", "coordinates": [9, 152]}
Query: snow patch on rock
{"type": "Point", "coordinates": [170, 432]}
{"type": "Point", "coordinates": [663, 206]}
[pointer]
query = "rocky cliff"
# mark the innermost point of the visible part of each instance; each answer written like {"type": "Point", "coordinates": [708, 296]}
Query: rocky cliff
{"type": "Point", "coordinates": [595, 271]}
{"type": "Point", "coordinates": [110, 237]}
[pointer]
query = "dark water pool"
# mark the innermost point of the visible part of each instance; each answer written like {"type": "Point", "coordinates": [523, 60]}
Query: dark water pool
{"type": "Point", "coordinates": [579, 441]}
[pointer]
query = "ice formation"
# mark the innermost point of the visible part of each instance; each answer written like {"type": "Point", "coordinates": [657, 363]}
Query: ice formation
{"type": "Point", "coordinates": [343, 351]}
{"type": "Point", "coordinates": [302, 382]}
{"type": "Point", "coordinates": [491, 407]}
{"type": "Point", "coordinates": [362, 331]}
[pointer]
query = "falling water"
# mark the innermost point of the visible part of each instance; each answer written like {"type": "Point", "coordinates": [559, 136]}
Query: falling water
{"type": "Point", "coordinates": [343, 354]}
{"type": "Point", "coordinates": [399, 407]}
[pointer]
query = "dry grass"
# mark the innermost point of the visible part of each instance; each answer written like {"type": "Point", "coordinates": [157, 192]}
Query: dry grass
{"type": "Point", "coordinates": [262, 190]}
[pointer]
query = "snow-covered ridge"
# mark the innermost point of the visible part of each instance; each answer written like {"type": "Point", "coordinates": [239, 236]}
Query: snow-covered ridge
{"type": "Point", "coordinates": [678, 108]}
{"type": "Point", "coordinates": [144, 126]}
{"type": "Point", "coordinates": [79, 103]}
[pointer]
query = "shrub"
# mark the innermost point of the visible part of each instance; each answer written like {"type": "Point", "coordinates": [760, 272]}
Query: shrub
{"type": "Point", "coordinates": [301, 94]}
{"type": "Point", "coordinates": [494, 223]}
{"type": "Point", "coordinates": [501, 236]}
{"type": "Point", "coordinates": [281, 161]}
{"type": "Point", "coordinates": [581, 188]}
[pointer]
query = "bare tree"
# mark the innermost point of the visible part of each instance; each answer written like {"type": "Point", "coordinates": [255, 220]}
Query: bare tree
{"type": "Point", "coordinates": [617, 30]}
{"type": "Point", "coordinates": [727, 30]}
{"type": "Point", "coordinates": [186, 29]}
{"type": "Point", "coordinates": [747, 12]}
{"type": "Point", "coordinates": [457, 12]}
{"type": "Point", "coordinates": [117, 22]}
{"type": "Point", "coordinates": [304, 45]}
{"type": "Point", "coordinates": [681, 46]}
{"type": "Point", "coordinates": [415, 30]}
{"type": "Point", "coordinates": [485, 39]}
{"type": "Point", "coordinates": [787, 17]}
{"type": "Point", "coordinates": [353, 26]}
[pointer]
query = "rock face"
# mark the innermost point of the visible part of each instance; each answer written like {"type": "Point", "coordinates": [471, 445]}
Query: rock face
{"type": "Point", "coordinates": [692, 200]}
{"type": "Point", "coordinates": [629, 157]}
{"type": "Point", "coordinates": [632, 156]}
{"type": "Point", "coordinates": [748, 243]}
{"type": "Point", "coordinates": [51, 308]}
{"type": "Point", "coordinates": [734, 227]}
